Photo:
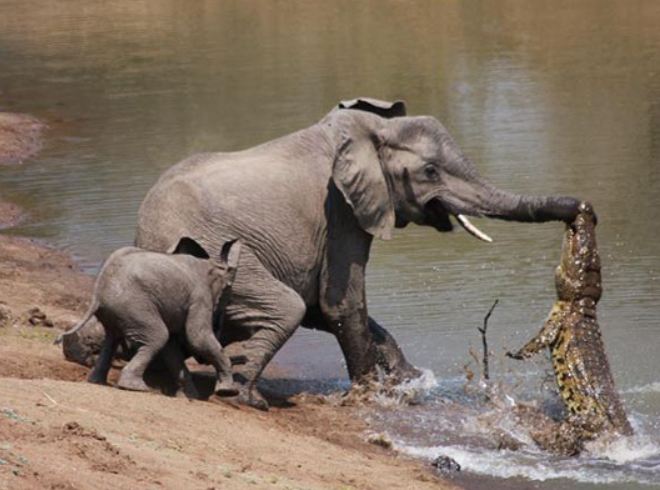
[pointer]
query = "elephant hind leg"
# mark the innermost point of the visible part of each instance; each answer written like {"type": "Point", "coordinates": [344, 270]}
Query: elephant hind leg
{"type": "Point", "coordinates": [268, 308]}
{"type": "Point", "coordinates": [151, 337]}
{"type": "Point", "coordinates": [99, 375]}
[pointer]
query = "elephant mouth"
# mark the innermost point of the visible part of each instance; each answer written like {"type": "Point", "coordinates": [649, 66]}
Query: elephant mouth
{"type": "Point", "coordinates": [437, 216]}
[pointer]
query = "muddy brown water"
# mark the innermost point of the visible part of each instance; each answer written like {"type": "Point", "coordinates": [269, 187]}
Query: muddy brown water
{"type": "Point", "coordinates": [546, 97]}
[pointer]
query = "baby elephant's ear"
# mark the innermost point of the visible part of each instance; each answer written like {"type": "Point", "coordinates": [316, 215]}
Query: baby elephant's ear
{"type": "Point", "coordinates": [230, 253]}
{"type": "Point", "coordinates": [189, 246]}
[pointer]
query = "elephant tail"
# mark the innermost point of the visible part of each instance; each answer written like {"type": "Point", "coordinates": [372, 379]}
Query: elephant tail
{"type": "Point", "coordinates": [91, 311]}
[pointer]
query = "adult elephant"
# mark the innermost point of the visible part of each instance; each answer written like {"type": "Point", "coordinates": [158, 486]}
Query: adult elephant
{"type": "Point", "coordinates": [307, 206]}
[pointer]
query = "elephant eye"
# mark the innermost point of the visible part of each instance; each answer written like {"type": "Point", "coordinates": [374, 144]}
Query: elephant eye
{"type": "Point", "coordinates": [431, 171]}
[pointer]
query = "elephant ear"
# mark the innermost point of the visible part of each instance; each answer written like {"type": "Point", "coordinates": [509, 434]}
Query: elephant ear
{"type": "Point", "coordinates": [230, 253]}
{"type": "Point", "coordinates": [380, 107]}
{"type": "Point", "coordinates": [188, 246]}
{"type": "Point", "coordinates": [357, 173]}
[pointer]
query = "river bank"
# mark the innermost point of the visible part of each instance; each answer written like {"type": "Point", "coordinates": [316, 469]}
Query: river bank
{"type": "Point", "coordinates": [58, 431]}
{"type": "Point", "coordinates": [20, 139]}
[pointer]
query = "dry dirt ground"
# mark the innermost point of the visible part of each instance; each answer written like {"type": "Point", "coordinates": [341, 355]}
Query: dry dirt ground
{"type": "Point", "coordinates": [59, 432]}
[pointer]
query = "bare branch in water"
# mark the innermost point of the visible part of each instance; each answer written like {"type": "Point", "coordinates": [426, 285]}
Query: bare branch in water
{"type": "Point", "coordinates": [485, 341]}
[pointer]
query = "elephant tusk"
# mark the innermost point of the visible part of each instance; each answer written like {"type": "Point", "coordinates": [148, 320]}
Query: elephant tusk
{"type": "Point", "coordinates": [472, 230]}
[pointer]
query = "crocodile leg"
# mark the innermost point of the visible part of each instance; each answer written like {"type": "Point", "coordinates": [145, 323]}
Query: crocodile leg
{"type": "Point", "coordinates": [548, 333]}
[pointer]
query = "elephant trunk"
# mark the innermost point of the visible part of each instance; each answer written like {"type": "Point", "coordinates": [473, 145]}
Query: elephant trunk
{"type": "Point", "coordinates": [475, 196]}
{"type": "Point", "coordinates": [514, 207]}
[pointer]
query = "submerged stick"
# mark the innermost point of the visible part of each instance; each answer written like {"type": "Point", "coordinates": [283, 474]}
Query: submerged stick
{"type": "Point", "coordinates": [485, 341]}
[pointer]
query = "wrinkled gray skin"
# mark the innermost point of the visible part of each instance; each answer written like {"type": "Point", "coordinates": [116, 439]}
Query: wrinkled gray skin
{"type": "Point", "coordinates": [164, 304]}
{"type": "Point", "coordinates": [307, 206]}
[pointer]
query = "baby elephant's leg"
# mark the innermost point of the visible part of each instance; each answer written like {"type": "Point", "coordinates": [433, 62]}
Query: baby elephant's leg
{"type": "Point", "coordinates": [151, 334]}
{"type": "Point", "coordinates": [204, 345]}
{"type": "Point", "coordinates": [99, 374]}
{"type": "Point", "coordinates": [176, 365]}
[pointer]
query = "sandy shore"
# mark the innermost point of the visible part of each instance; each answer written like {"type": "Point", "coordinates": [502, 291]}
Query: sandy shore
{"type": "Point", "coordinates": [57, 431]}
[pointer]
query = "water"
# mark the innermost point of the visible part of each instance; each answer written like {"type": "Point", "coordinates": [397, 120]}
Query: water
{"type": "Point", "coordinates": [453, 418]}
{"type": "Point", "coordinates": [546, 97]}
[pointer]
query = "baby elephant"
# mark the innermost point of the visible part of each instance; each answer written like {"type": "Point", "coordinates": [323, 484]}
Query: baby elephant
{"type": "Point", "coordinates": [163, 303]}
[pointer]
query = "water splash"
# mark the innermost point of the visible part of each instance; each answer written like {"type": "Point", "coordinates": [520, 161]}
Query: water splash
{"type": "Point", "coordinates": [535, 466]}
{"type": "Point", "coordinates": [644, 389]}
{"type": "Point", "coordinates": [410, 392]}
{"type": "Point", "coordinates": [478, 429]}
{"type": "Point", "coordinates": [624, 450]}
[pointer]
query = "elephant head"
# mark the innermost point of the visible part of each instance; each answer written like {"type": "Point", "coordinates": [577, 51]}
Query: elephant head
{"type": "Point", "coordinates": [393, 170]}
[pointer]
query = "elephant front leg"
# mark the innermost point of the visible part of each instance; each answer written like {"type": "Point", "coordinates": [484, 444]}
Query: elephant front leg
{"type": "Point", "coordinates": [389, 355]}
{"type": "Point", "coordinates": [367, 347]}
{"type": "Point", "coordinates": [204, 344]}
{"type": "Point", "coordinates": [356, 341]}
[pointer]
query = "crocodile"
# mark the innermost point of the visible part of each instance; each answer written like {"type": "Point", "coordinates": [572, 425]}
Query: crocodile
{"type": "Point", "coordinates": [571, 332]}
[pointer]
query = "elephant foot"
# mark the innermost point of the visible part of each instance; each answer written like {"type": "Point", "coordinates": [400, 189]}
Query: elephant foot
{"type": "Point", "coordinates": [189, 390]}
{"type": "Point", "coordinates": [403, 373]}
{"type": "Point", "coordinates": [387, 355]}
{"type": "Point", "coordinates": [97, 380]}
{"type": "Point", "coordinates": [246, 397]}
{"type": "Point", "coordinates": [226, 388]}
{"type": "Point", "coordinates": [251, 397]}
{"type": "Point", "coordinates": [385, 369]}
{"type": "Point", "coordinates": [131, 383]}
{"type": "Point", "coordinates": [245, 378]}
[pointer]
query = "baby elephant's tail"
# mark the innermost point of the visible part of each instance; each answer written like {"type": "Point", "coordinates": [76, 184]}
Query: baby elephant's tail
{"type": "Point", "coordinates": [90, 312]}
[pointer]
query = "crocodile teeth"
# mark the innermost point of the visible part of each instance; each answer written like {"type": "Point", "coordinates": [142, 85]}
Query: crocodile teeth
{"type": "Point", "coordinates": [472, 230]}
